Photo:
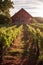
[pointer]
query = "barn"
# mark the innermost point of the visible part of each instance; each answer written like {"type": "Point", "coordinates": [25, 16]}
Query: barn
{"type": "Point", "coordinates": [21, 17]}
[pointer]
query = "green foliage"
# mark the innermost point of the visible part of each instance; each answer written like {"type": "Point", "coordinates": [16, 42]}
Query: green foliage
{"type": "Point", "coordinates": [7, 35]}
{"type": "Point", "coordinates": [37, 25]}
{"type": "Point", "coordinates": [37, 35]}
{"type": "Point", "coordinates": [41, 57]}
{"type": "Point", "coordinates": [4, 19]}
{"type": "Point", "coordinates": [5, 5]}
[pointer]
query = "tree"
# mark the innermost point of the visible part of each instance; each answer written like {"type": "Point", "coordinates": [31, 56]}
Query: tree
{"type": "Point", "coordinates": [5, 5]}
{"type": "Point", "coordinates": [4, 19]}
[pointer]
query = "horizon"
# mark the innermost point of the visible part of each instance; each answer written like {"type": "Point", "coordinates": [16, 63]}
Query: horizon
{"type": "Point", "coordinates": [34, 8]}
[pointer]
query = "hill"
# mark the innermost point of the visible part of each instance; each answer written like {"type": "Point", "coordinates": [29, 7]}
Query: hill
{"type": "Point", "coordinates": [39, 19]}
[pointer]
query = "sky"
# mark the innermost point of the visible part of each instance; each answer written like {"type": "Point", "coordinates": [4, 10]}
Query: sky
{"type": "Point", "coordinates": [33, 7]}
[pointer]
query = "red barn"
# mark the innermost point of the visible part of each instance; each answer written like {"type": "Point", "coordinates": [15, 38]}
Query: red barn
{"type": "Point", "coordinates": [21, 17]}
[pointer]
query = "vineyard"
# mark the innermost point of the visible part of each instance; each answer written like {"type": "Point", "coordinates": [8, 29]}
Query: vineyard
{"type": "Point", "coordinates": [21, 32]}
{"type": "Point", "coordinates": [24, 41]}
